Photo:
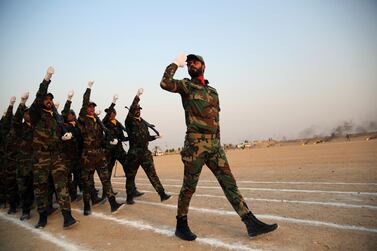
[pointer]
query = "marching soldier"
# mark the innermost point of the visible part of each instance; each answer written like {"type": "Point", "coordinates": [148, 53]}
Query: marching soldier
{"type": "Point", "coordinates": [202, 144]}
{"type": "Point", "coordinates": [72, 148]}
{"type": "Point", "coordinates": [24, 131]}
{"type": "Point", "coordinates": [138, 154]}
{"type": "Point", "coordinates": [47, 136]}
{"type": "Point", "coordinates": [94, 156]}
{"type": "Point", "coordinates": [9, 159]}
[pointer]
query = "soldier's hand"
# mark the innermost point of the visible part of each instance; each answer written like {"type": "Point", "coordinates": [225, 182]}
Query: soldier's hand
{"type": "Point", "coordinates": [12, 100]}
{"type": "Point", "coordinates": [115, 98]}
{"type": "Point", "coordinates": [180, 60]}
{"type": "Point", "coordinates": [98, 112]}
{"type": "Point", "coordinates": [70, 95]}
{"type": "Point", "coordinates": [114, 142]}
{"type": "Point", "coordinates": [24, 97]}
{"type": "Point", "coordinates": [67, 136]}
{"type": "Point", "coordinates": [90, 83]}
{"type": "Point", "coordinates": [49, 73]}
{"type": "Point", "coordinates": [140, 92]}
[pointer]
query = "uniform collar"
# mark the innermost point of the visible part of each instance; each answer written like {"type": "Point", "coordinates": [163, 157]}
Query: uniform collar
{"type": "Point", "coordinates": [114, 121]}
{"type": "Point", "coordinates": [92, 117]}
{"type": "Point", "coordinates": [200, 81]}
{"type": "Point", "coordinates": [28, 123]}
{"type": "Point", "coordinates": [137, 118]}
{"type": "Point", "coordinates": [73, 123]}
{"type": "Point", "coordinates": [49, 111]}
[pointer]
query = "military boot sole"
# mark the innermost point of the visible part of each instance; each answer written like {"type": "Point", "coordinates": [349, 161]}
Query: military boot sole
{"type": "Point", "coordinates": [168, 196]}
{"type": "Point", "coordinates": [185, 237]}
{"type": "Point", "coordinates": [118, 209]}
{"type": "Point", "coordinates": [264, 230]}
{"type": "Point", "coordinates": [71, 225]}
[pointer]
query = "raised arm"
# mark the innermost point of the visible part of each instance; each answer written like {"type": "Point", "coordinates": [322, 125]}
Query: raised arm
{"type": "Point", "coordinates": [170, 84]}
{"type": "Point", "coordinates": [67, 106]}
{"type": "Point", "coordinates": [86, 98]}
{"type": "Point", "coordinates": [134, 104]}
{"type": "Point", "coordinates": [6, 121]}
{"type": "Point", "coordinates": [17, 119]}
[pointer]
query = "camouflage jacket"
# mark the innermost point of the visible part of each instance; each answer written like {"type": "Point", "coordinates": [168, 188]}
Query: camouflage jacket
{"type": "Point", "coordinates": [200, 102]}
{"type": "Point", "coordinates": [136, 128]}
{"type": "Point", "coordinates": [47, 123]}
{"type": "Point", "coordinates": [5, 125]}
{"type": "Point", "coordinates": [73, 147]}
{"type": "Point", "coordinates": [115, 128]}
{"type": "Point", "coordinates": [92, 129]}
{"type": "Point", "coordinates": [10, 139]}
{"type": "Point", "coordinates": [24, 132]}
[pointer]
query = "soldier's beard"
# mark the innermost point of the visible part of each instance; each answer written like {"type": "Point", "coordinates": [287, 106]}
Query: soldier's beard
{"type": "Point", "coordinates": [194, 73]}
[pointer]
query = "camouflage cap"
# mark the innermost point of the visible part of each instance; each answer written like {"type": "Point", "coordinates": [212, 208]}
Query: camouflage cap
{"type": "Point", "coordinates": [92, 103]}
{"type": "Point", "coordinates": [107, 110]}
{"type": "Point", "coordinates": [49, 95]}
{"type": "Point", "coordinates": [138, 107]}
{"type": "Point", "coordinates": [195, 57]}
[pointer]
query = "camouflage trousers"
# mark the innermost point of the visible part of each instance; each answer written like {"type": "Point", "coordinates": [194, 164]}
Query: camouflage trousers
{"type": "Point", "coordinates": [95, 160]}
{"type": "Point", "coordinates": [25, 182]}
{"type": "Point", "coordinates": [200, 149]}
{"type": "Point", "coordinates": [114, 155]}
{"type": "Point", "coordinates": [11, 181]}
{"type": "Point", "coordinates": [2, 179]}
{"type": "Point", "coordinates": [74, 169]}
{"type": "Point", "coordinates": [141, 157]}
{"type": "Point", "coordinates": [50, 163]}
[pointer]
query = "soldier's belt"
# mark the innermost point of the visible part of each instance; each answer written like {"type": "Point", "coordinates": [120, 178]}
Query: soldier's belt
{"type": "Point", "coordinates": [202, 135]}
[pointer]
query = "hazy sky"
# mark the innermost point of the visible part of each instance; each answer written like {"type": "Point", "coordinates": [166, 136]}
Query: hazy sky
{"type": "Point", "coordinates": [279, 66]}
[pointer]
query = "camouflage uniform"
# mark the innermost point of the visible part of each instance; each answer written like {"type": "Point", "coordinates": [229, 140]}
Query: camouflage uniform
{"type": "Point", "coordinates": [94, 155]}
{"type": "Point", "coordinates": [25, 159]}
{"type": "Point", "coordinates": [72, 150]}
{"type": "Point", "coordinates": [11, 148]}
{"type": "Point", "coordinates": [138, 154]}
{"type": "Point", "coordinates": [116, 130]}
{"type": "Point", "coordinates": [6, 122]}
{"type": "Point", "coordinates": [202, 142]}
{"type": "Point", "coordinates": [47, 149]}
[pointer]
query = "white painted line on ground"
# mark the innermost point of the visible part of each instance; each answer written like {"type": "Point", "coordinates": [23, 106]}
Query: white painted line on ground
{"type": "Point", "coordinates": [270, 189]}
{"type": "Point", "coordinates": [43, 234]}
{"type": "Point", "coordinates": [168, 231]}
{"type": "Point", "coordinates": [332, 204]}
{"type": "Point", "coordinates": [267, 216]}
{"type": "Point", "coordinates": [275, 182]}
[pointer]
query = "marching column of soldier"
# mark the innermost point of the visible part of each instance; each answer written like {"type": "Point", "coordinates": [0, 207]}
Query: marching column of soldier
{"type": "Point", "coordinates": [45, 153]}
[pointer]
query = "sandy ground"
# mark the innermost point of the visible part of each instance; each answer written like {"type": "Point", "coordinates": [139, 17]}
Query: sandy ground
{"type": "Point", "coordinates": [324, 197]}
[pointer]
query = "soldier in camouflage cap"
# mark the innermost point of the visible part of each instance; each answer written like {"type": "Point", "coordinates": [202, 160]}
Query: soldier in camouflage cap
{"type": "Point", "coordinates": [94, 153]}
{"type": "Point", "coordinates": [138, 154]}
{"type": "Point", "coordinates": [47, 137]}
{"type": "Point", "coordinates": [24, 172]}
{"type": "Point", "coordinates": [202, 144]}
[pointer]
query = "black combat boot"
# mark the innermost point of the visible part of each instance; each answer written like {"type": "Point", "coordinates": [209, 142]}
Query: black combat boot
{"type": "Point", "coordinates": [42, 222]}
{"type": "Point", "coordinates": [182, 230]}
{"type": "Point", "coordinates": [164, 196]}
{"type": "Point", "coordinates": [25, 214]}
{"type": "Point", "coordinates": [3, 204]}
{"type": "Point", "coordinates": [87, 210]}
{"type": "Point", "coordinates": [69, 221]}
{"type": "Point", "coordinates": [256, 227]}
{"type": "Point", "coordinates": [12, 208]}
{"type": "Point", "coordinates": [130, 199]}
{"type": "Point", "coordinates": [136, 193]}
{"type": "Point", "coordinates": [115, 206]}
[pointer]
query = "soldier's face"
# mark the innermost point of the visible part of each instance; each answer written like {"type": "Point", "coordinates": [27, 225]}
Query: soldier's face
{"type": "Point", "coordinates": [47, 102]}
{"type": "Point", "coordinates": [90, 110]}
{"type": "Point", "coordinates": [195, 68]}
{"type": "Point", "coordinates": [71, 117]}
{"type": "Point", "coordinates": [27, 117]}
{"type": "Point", "coordinates": [137, 113]}
{"type": "Point", "coordinates": [113, 115]}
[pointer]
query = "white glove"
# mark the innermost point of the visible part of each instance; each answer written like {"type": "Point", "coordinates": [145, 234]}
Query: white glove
{"type": "Point", "coordinates": [67, 136]}
{"type": "Point", "coordinates": [98, 112]}
{"type": "Point", "coordinates": [49, 73]}
{"type": "Point", "coordinates": [114, 142]}
{"type": "Point", "coordinates": [180, 60]}
{"type": "Point", "coordinates": [24, 97]}
{"type": "Point", "coordinates": [90, 84]}
{"type": "Point", "coordinates": [57, 104]}
{"type": "Point", "coordinates": [140, 92]}
{"type": "Point", "coordinates": [70, 95]}
{"type": "Point", "coordinates": [115, 98]}
{"type": "Point", "coordinates": [12, 100]}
